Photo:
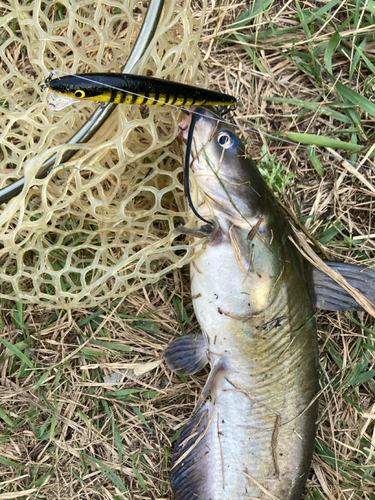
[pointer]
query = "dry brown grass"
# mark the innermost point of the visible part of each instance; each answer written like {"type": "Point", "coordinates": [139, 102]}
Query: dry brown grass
{"type": "Point", "coordinates": [87, 416]}
{"type": "Point", "coordinates": [74, 436]}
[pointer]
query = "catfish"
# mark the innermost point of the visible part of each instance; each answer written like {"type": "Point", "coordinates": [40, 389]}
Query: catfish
{"type": "Point", "coordinates": [255, 297]}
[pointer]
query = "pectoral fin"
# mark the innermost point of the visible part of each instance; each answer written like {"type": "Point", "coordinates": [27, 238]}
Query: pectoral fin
{"type": "Point", "coordinates": [187, 355]}
{"type": "Point", "coordinates": [329, 294]}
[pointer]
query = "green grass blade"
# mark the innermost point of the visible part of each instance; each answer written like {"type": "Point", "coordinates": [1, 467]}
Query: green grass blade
{"type": "Point", "coordinates": [315, 161]}
{"type": "Point", "coordinates": [138, 474]}
{"type": "Point", "coordinates": [6, 419]}
{"type": "Point", "coordinates": [331, 47]}
{"type": "Point", "coordinates": [356, 98]}
{"type": "Point", "coordinates": [364, 377]}
{"type": "Point", "coordinates": [367, 61]}
{"type": "Point", "coordinates": [317, 140]}
{"type": "Point", "coordinates": [357, 56]}
{"type": "Point", "coordinates": [246, 15]}
{"type": "Point", "coordinates": [8, 462]}
{"type": "Point", "coordinates": [327, 235]}
{"type": "Point", "coordinates": [316, 107]}
{"type": "Point", "coordinates": [249, 50]}
{"type": "Point", "coordinates": [326, 8]}
{"type": "Point", "coordinates": [115, 346]}
{"type": "Point", "coordinates": [304, 20]}
{"type": "Point", "coordinates": [107, 471]}
{"type": "Point", "coordinates": [18, 353]}
{"type": "Point", "coordinates": [140, 415]}
{"type": "Point", "coordinates": [42, 379]}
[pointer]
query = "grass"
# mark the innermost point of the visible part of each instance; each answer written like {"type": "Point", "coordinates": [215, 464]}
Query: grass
{"type": "Point", "coordinates": [67, 403]}
{"type": "Point", "coordinates": [331, 97]}
{"type": "Point", "coordinates": [305, 74]}
{"type": "Point", "coordinates": [274, 172]}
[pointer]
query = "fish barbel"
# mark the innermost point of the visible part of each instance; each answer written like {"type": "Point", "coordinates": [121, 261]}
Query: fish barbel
{"type": "Point", "coordinates": [252, 433]}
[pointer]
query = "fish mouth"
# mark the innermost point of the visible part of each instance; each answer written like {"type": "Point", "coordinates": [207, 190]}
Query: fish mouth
{"type": "Point", "coordinates": [201, 112]}
{"type": "Point", "coordinates": [188, 126]}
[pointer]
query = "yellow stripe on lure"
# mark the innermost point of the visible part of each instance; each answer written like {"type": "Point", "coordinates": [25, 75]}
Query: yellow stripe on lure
{"type": "Point", "coordinates": [134, 89]}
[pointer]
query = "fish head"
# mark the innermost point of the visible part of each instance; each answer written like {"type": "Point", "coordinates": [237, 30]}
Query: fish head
{"type": "Point", "coordinates": [224, 171]}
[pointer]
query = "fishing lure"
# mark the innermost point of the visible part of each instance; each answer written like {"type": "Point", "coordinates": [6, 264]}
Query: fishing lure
{"type": "Point", "coordinates": [121, 88]}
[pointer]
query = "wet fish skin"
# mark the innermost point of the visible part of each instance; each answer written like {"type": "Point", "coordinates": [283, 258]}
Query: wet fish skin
{"type": "Point", "coordinates": [253, 434]}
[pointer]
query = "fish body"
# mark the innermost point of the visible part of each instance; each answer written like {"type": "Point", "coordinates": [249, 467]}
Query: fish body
{"type": "Point", "coordinates": [260, 330]}
{"type": "Point", "coordinates": [252, 433]}
{"type": "Point", "coordinates": [121, 88]}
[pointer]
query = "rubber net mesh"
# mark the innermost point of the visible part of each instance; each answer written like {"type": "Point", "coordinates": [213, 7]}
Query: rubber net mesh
{"type": "Point", "coordinates": [100, 225]}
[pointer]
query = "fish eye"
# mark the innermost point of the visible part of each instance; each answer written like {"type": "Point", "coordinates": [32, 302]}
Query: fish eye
{"type": "Point", "coordinates": [227, 139]}
{"type": "Point", "coordinates": [79, 94]}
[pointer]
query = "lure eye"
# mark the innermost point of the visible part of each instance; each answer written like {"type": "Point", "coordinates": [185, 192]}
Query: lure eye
{"type": "Point", "coordinates": [227, 139]}
{"type": "Point", "coordinates": [79, 94]}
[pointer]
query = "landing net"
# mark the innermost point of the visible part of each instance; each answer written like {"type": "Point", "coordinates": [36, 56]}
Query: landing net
{"type": "Point", "coordinates": [101, 225]}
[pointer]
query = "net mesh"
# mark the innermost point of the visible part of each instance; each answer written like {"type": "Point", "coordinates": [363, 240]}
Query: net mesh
{"type": "Point", "coordinates": [102, 224]}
